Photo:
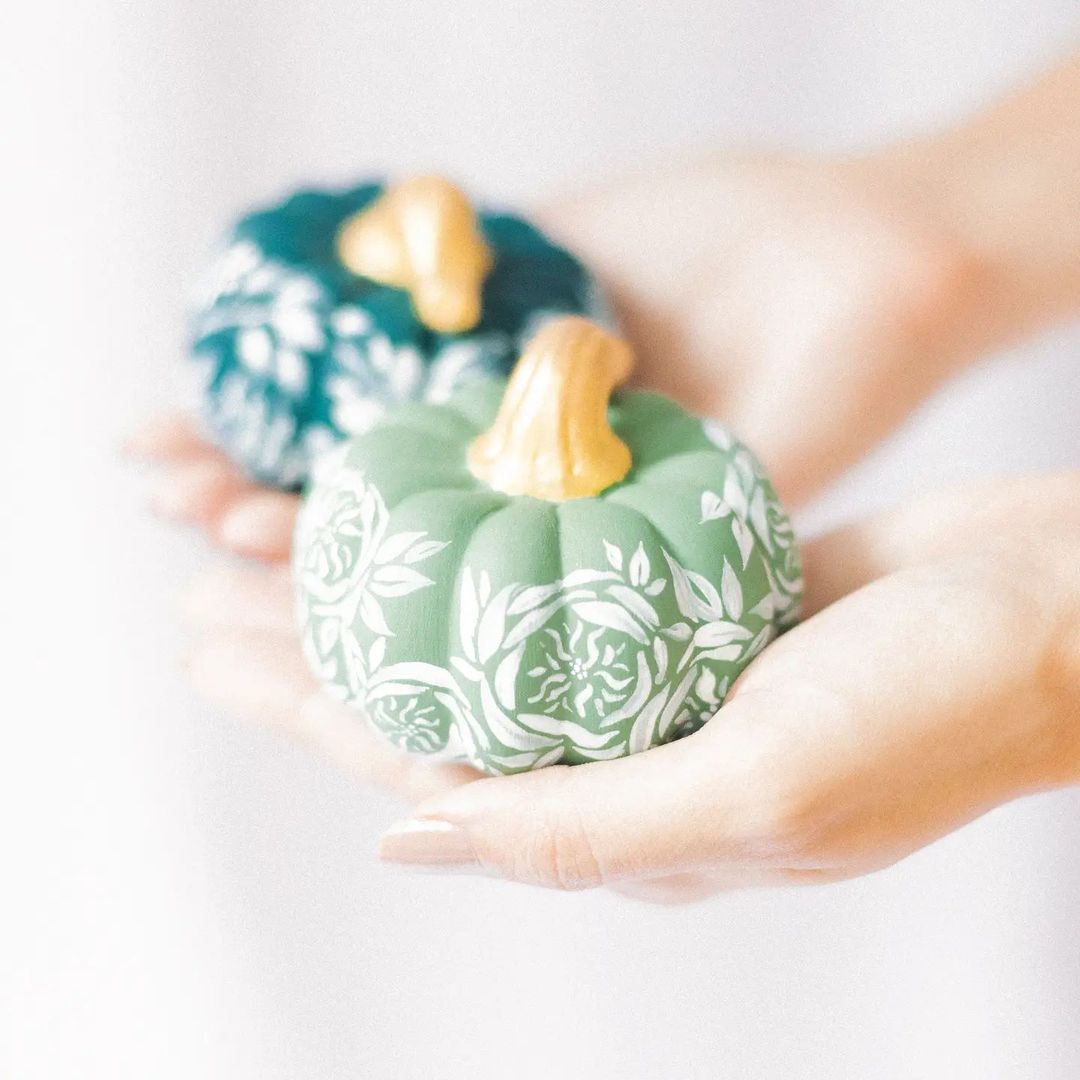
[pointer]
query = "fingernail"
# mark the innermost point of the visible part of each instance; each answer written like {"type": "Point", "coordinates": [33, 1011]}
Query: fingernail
{"type": "Point", "coordinates": [429, 844]}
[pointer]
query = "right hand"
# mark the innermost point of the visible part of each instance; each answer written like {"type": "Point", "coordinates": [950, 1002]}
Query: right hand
{"type": "Point", "coordinates": [929, 556]}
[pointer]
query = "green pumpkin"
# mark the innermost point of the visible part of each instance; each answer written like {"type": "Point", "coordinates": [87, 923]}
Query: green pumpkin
{"type": "Point", "coordinates": [513, 632]}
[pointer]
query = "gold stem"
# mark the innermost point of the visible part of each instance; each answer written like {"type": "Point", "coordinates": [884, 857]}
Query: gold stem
{"type": "Point", "coordinates": [422, 236]}
{"type": "Point", "coordinates": [551, 437]}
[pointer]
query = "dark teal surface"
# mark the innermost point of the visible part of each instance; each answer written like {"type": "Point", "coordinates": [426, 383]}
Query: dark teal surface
{"type": "Point", "coordinates": [292, 344]}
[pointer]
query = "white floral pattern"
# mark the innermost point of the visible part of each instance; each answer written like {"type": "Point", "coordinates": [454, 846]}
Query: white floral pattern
{"type": "Point", "coordinates": [295, 353]}
{"type": "Point", "coordinates": [607, 673]}
{"type": "Point", "coordinates": [375, 374]}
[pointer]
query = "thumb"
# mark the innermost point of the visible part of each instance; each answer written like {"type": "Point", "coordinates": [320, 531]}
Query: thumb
{"type": "Point", "coordinates": [673, 809]}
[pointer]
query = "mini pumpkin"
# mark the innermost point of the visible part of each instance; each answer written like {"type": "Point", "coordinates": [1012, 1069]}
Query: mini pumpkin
{"type": "Point", "coordinates": [326, 309]}
{"type": "Point", "coordinates": [529, 573]}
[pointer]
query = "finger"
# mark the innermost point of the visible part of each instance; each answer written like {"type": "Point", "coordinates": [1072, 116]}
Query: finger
{"type": "Point", "coordinates": [673, 810]}
{"type": "Point", "coordinates": [243, 598]}
{"type": "Point", "coordinates": [788, 777]}
{"type": "Point", "coordinates": [936, 528]}
{"type": "Point", "coordinates": [198, 491]}
{"type": "Point", "coordinates": [263, 679]}
{"type": "Point", "coordinates": [260, 524]}
{"type": "Point", "coordinates": [171, 437]}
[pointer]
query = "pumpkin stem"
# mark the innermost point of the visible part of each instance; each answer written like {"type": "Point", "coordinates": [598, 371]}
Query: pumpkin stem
{"type": "Point", "coordinates": [422, 236]}
{"type": "Point", "coordinates": [551, 437]}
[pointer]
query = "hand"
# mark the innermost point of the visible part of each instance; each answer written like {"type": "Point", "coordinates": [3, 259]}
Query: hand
{"type": "Point", "coordinates": [809, 303]}
{"type": "Point", "coordinates": [891, 717]}
{"type": "Point", "coordinates": [198, 485]}
{"type": "Point", "coordinates": [841, 749]}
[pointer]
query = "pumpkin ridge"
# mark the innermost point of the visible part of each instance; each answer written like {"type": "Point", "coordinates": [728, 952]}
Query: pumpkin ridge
{"type": "Point", "coordinates": [451, 609]}
{"type": "Point", "coordinates": [560, 559]}
{"type": "Point", "coordinates": [661, 535]}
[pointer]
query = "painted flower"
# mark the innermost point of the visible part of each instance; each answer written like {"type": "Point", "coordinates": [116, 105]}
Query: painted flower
{"type": "Point", "coordinates": [348, 554]}
{"type": "Point", "coordinates": [275, 314]}
{"type": "Point", "coordinates": [581, 672]}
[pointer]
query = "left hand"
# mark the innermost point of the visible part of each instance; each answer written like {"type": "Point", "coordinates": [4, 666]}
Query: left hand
{"type": "Point", "coordinates": [198, 485]}
{"type": "Point", "coordinates": [937, 675]}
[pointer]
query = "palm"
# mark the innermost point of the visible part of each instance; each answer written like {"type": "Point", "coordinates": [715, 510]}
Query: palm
{"type": "Point", "coordinates": [758, 289]}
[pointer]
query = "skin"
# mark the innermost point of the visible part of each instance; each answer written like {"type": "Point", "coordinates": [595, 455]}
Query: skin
{"type": "Point", "coordinates": [929, 683]}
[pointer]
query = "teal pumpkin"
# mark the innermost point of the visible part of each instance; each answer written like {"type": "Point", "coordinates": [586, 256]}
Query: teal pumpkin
{"type": "Point", "coordinates": [513, 632]}
{"type": "Point", "coordinates": [297, 352]}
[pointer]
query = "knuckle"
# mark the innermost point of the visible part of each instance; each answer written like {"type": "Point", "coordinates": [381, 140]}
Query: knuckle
{"type": "Point", "coordinates": [562, 855]}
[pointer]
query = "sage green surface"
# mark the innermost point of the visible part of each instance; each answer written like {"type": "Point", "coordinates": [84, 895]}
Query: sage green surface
{"type": "Point", "coordinates": [513, 632]}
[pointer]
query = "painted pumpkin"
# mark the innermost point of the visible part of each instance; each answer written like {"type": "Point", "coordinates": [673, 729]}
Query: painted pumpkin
{"type": "Point", "coordinates": [328, 308]}
{"type": "Point", "coordinates": [529, 573]}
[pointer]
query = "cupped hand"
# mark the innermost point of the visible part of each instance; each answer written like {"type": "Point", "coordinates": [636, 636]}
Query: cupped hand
{"type": "Point", "coordinates": [888, 719]}
{"type": "Point", "coordinates": [937, 675]}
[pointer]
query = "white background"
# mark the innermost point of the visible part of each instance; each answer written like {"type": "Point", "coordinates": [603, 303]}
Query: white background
{"type": "Point", "coordinates": [183, 897]}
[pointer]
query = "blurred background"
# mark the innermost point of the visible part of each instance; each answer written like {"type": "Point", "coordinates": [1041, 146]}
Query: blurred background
{"type": "Point", "coordinates": [186, 897]}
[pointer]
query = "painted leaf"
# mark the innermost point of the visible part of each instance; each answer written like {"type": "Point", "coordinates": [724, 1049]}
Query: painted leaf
{"type": "Point", "coordinates": [372, 616]}
{"type": "Point", "coordinates": [660, 653]}
{"type": "Point", "coordinates": [560, 729]}
{"type": "Point", "coordinates": [705, 687]}
{"type": "Point", "coordinates": [531, 623]}
{"type": "Point", "coordinates": [376, 653]}
{"type": "Point", "coordinates": [731, 591]}
{"type": "Point", "coordinates": [712, 507]}
{"type": "Point", "coordinates": [744, 538]}
{"type": "Point", "coordinates": [642, 733]}
{"type": "Point", "coordinates": [614, 555]}
{"type": "Point", "coordinates": [733, 494]}
{"type": "Point", "coordinates": [674, 704]}
{"type": "Point", "coordinates": [727, 653]}
{"type": "Point", "coordinates": [721, 632]}
{"type": "Point", "coordinates": [393, 547]}
{"type": "Point", "coordinates": [397, 580]}
{"type": "Point", "coordinates": [717, 434]}
{"type": "Point", "coordinates": [532, 597]}
{"type": "Point", "coordinates": [639, 566]}
{"type": "Point", "coordinates": [635, 603]}
{"type": "Point", "coordinates": [424, 550]}
{"type": "Point", "coordinates": [708, 603]}
{"type": "Point", "coordinates": [506, 677]}
{"type": "Point", "coordinates": [605, 613]}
